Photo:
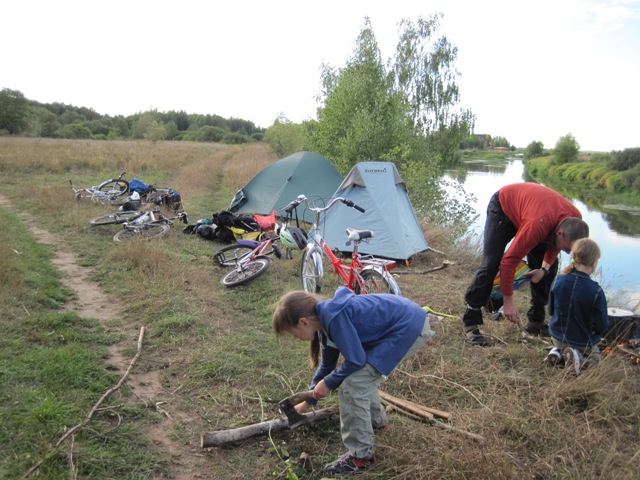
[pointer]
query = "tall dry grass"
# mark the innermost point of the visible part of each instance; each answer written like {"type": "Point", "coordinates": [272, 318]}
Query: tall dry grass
{"type": "Point", "coordinates": [245, 164]}
{"type": "Point", "coordinates": [221, 367]}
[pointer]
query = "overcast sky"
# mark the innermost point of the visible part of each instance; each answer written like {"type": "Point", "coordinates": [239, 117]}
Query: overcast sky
{"type": "Point", "coordinates": [529, 70]}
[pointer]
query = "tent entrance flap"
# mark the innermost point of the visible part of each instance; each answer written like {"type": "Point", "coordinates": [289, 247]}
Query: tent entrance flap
{"type": "Point", "coordinates": [238, 200]}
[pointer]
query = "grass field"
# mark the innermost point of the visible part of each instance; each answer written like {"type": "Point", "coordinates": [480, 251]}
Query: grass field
{"type": "Point", "coordinates": [208, 360]}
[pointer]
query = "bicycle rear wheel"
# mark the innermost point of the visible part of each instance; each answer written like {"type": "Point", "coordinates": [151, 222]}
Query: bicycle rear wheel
{"type": "Point", "coordinates": [146, 232]}
{"type": "Point", "coordinates": [117, 217]}
{"type": "Point", "coordinates": [376, 282]}
{"type": "Point", "coordinates": [114, 187]}
{"type": "Point", "coordinates": [311, 271]}
{"type": "Point", "coordinates": [248, 272]}
{"type": "Point", "coordinates": [230, 255]}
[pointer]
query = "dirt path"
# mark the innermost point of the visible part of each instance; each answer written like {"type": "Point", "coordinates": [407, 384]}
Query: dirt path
{"type": "Point", "coordinates": [92, 302]}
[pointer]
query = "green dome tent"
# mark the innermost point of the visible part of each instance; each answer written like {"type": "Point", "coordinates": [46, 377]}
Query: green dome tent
{"type": "Point", "coordinates": [378, 188]}
{"type": "Point", "coordinates": [274, 187]}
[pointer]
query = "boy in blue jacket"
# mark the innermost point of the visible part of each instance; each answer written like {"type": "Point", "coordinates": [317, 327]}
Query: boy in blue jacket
{"type": "Point", "coordinates": [374, 333]}
{"type": "Point", "coordinates": [578, 309]}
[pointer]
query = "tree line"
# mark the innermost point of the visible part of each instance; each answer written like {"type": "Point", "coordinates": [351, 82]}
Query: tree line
{"type": "Point", "coordinates": [22, 116]}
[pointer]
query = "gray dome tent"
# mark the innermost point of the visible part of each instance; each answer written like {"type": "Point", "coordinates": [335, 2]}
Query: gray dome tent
{"type": "Point", "coordinates": [378, 188]}
{"type": "Point", "coordinates": [278, 184]}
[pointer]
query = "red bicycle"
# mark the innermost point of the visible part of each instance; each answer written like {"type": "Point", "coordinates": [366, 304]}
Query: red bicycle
{"type": "Point", "coordinates": [364, 274]}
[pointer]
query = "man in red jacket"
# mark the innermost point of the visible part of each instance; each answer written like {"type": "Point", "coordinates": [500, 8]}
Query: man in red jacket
{"type": "Point", "coordinates": [538, 222]}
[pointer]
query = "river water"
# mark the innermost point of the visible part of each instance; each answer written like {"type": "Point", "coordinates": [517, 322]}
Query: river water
{"type": "Point", "coordinates": [617, 231]}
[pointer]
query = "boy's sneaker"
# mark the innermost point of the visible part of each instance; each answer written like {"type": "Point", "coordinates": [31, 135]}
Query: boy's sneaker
{"type": "Point", "coordinates": [554, 358]}
{"type": "Point", "coordinates": [572, 359]}
{"type": "Point", "coordinates": [347, 463]}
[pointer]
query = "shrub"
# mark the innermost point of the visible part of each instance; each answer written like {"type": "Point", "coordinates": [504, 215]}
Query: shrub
{"type": "Point", "coordinates": [534, 149]}
{"type": "Point", "coordinates": [233, 138]}
{"type": "Point", "coordinates": [74, 130]}
{"type": "Point", "coordinates": [624, 160]}
{"type": "Point", "coordinates": [566, 151]}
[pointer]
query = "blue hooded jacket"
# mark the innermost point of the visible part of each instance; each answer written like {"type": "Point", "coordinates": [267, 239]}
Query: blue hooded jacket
{"type": "Point", "coordinates": [578, 309]}
{"type": "Point", "coordinates": [376, 329]}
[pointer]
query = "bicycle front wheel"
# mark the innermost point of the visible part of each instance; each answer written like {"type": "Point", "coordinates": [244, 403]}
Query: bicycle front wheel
{"type": "Point", "coordinates": [115, 218]}
{"type": "Point", "coordinates": [146, 232]}
{"type": "Point", "coordinates": [374, 281]}
{"type": "Point", "coordinates": [248, 272]}
{"type": "Point", "coordinates": [114, 187]}
{"type": "Point", "coordinates": [311, 271]}
{"type": "Point", "coordinates": [230, 255]}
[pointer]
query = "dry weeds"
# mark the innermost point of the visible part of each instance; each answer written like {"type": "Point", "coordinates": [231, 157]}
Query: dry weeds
{"type": "Point", "coordinates": [222, 368]}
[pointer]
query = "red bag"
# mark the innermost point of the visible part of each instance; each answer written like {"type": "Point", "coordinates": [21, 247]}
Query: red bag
{"type": "Point", "coordinates": [266, 222]}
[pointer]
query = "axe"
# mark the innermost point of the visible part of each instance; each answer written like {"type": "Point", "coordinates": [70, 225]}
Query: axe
{"type": "Point", "coordinates": [287, 406]}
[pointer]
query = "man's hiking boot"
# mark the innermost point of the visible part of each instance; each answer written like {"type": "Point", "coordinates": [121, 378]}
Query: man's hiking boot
{"type": "Point", "coordinates": [347, 463]}
{"type": "Point", "coordinates": [554, 358]}
{"type": "Point", "coordinates": [572, 359]}
{"type": "Point", "coordinates": [537, 329]}
{"type": "Point", "coordinates": [474, 337]}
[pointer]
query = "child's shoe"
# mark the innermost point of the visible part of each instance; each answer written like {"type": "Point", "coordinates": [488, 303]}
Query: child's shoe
{"type": "Point", "coordinates": [554, 358]}
{"type": "Point", "coordinates": [381, 429]}
{"type": "Point", "coordinates": [347, 463]}
{"type": "Point", "coordinates": [572, 359]}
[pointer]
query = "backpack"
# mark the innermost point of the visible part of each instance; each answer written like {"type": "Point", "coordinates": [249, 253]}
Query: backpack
{"type": "Point", "coordinates": [136, 185]}
{"type": "Point", "coordinates": [241, 224]}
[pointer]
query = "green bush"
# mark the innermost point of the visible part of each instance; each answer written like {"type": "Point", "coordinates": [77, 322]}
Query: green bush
{"type": "Point", "coordinates": [234, 138]}
{"type": "Point", "coordinates": [534, 149]}
{"type": "Point", "coordinates": [624, 160]}
{"type": "Point", "coordinates": [566, 151]}
{"type": "Point", "coordinates": [74, 130]}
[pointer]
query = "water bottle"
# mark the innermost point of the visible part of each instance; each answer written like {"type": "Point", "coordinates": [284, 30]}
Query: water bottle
{"type": "Point", "coordinates": [142, 219]}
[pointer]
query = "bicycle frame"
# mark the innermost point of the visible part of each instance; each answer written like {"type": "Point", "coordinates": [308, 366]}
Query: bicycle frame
{"type": "Point", "coordinates": [259, 249]}
{"type": "Point", "coordinates": [249, 265]}
{"type": "Point", "coordinates": [98, 193]}
{"type": "Point", "coordinates": [93, 194]}
{"type": "Point", "coordinates": [352, 274]}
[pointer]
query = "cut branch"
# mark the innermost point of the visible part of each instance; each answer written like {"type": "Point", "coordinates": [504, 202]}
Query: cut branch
{"type": "Point", "coordinates": [225, 437]}
{"type": "Point", "coordinates": [414, 407]}
{"type": "Point", "coordinates": [95, 408]}
{"type": "Point", "coordinates": [423, 413]}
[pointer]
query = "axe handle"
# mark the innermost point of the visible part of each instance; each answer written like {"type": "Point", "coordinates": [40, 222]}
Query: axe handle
{"type": "Point", "coordinates": [296, 398]}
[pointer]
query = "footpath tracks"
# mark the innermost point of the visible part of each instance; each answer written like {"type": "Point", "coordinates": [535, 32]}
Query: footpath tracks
{"type": "Point", "coordinates": [92, 302]}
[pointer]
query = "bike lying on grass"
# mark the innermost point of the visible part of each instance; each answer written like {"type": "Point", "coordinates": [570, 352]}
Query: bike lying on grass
{"type": "Point", "coordinates": [152, 224]}
{"type": "Point", "coordinates": [364, 274]}
{"type": "Point", "coordinates": [109, 191]}
{"type": "Point", "coordinates": [147, 224]}
{"type": "Point", "coordinates": [249, 259]}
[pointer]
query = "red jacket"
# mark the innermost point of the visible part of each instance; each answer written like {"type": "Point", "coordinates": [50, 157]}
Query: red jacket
{"type": "Point", "coordinates": [536, 211]}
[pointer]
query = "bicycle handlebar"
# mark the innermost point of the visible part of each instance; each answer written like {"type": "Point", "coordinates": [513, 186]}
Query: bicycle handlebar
{"type": "Point", "coordinates": [301, 198]}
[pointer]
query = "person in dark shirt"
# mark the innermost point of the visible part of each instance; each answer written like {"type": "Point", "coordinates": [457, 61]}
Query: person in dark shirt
{"type": "Point", "coordinates": [534, 222]}
{"type": "Point", "coordinates": [374, 333]}
{"type": "Point", "coordinates": [578, 309]}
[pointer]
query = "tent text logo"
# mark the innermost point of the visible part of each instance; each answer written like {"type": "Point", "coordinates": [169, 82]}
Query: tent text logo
{"type": "Point", "coordinates": [375, 170]}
